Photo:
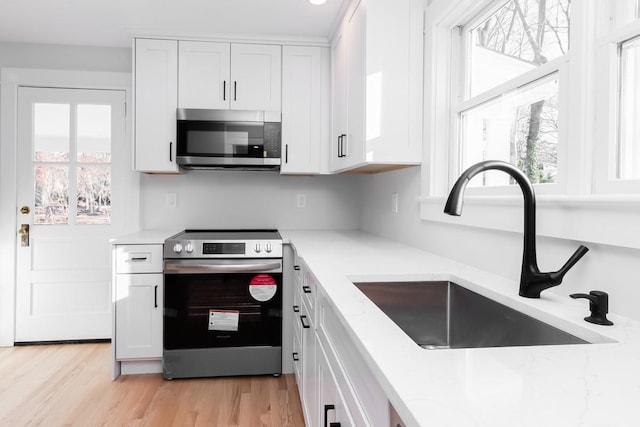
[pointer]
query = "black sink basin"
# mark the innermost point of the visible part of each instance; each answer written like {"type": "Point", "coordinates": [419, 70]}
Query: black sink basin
{"type": "Point", "coordinates": [442, 315]}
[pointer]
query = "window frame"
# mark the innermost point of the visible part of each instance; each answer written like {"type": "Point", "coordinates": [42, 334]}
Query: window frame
{"type": "Point", "coordinates": [583, 212]}
{"type": "Point", "coordinates": [461, 103]}
{"type": "Point", "coordinates": [608, 111]}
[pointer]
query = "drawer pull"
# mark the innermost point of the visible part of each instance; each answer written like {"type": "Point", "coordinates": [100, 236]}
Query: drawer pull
{"type": "Point", "coordinates": [296, 309]}
{"type": "Point", "coordinates": [306, 289]}
{"type": "Point", "coordinates": [295, 357]}
{"type": "Point", "coordinates": [138, 259]}
{"type": "Point", "coordinates": [296, 267]}
{"type": "Point", "coordinates": [303, 318]}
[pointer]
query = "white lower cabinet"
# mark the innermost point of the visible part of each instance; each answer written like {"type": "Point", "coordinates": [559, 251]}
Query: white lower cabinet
{"type": "Point", "coordinates": [137, 309]}
{"type": "Point", "coordinates": [335, 386]}
{"type": "Point", "coordinates": [138, 316]}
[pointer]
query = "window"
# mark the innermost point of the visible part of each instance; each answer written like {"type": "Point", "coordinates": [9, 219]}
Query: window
{"type": "Point", "coordinates": [509, 109]}
{"type": "Point", "coordinates": [617, 162]}
{"type": "Point", "coordinates": [61, 153]}
{"type": "Point", "coordinates": [628, 141]}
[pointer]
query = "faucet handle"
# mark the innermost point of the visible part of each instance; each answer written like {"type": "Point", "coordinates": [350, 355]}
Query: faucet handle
{"type": "Point", "coordinates": [599, 306]}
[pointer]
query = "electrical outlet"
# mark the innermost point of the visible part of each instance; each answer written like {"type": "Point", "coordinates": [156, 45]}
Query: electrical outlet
{"type": "Point", "coordinates": [171, 200]}
{"type": "Point", "coordinates": [301, 201]}
{"type": "Point", "coordinates": [394, 202]}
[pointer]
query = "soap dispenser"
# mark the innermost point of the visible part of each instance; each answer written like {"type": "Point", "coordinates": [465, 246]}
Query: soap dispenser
{"type": "Point", "coordinates": [599, 306]}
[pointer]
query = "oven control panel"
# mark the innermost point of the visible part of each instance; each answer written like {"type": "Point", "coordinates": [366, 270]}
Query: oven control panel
{"type": "Point", "coordinates": [223, 249]}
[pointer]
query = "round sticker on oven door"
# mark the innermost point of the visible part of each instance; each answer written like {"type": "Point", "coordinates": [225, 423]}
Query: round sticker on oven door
{"type": "Point", "coordinates": [263, 287]}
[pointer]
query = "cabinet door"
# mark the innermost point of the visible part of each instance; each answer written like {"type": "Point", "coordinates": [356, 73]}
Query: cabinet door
{"type": "Point", "coordinates": [309, 380]}
{"type": "Point", "coordinates": [356, 95]}
{"type": "Point", "coordinates": [339, 132]}
{"type": "Point", "coordinates": [332, 408]}
{"type": "Point", "coordinates": [256, 74]}
{"type": "Point", "coordinates": [156, 99]}
{"type": "Point", "coordinates": [203, 75]}
{"type": "Point", "coordinates": [138, 332]}
{"type": "Point", "coordinates": [301, 109]}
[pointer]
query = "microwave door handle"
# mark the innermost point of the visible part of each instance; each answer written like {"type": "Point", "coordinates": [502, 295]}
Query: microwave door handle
{"type": "Point", "coordinates": [228, 268]}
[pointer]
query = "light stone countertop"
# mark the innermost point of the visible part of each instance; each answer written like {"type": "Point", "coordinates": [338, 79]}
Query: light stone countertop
{"type": "Point", "coordinates": [563, 385]}
{"type": "Point", "coordinates": [144, 237]}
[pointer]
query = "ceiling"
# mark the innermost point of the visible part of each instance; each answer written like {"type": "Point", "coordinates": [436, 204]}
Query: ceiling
{"type": "Point", "coordinates": [113, 22]}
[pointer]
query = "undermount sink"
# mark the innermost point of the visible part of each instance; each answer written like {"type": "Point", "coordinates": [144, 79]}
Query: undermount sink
{"type": "Point", "coordinates": [443, 315]}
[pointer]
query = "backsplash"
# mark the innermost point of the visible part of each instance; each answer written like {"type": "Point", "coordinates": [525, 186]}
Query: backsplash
{"type": "Point", "coordinates": [230, 199]}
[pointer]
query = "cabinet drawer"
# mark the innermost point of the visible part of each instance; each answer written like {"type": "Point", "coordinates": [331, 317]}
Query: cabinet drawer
{"type": "Point", "coordinates": [139, 259]}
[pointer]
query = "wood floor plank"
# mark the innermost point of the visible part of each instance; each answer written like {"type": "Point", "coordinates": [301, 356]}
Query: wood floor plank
{"type": "Point", "coordinates": [70, 385]}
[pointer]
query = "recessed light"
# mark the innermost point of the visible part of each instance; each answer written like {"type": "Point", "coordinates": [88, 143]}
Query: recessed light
{"type": "Point", "coordinates": [317, 1]}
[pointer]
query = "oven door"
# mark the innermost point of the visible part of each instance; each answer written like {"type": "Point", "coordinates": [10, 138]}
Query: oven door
{"type": "Point", "coordinates": [222, 303]}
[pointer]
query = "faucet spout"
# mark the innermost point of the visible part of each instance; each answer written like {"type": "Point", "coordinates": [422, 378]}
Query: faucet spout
{"type": "Point", "coordinates": [532, 281]}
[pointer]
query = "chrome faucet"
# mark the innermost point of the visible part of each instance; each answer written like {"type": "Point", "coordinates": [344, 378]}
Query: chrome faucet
{"type": "Point", "coordinates": [532, 281]}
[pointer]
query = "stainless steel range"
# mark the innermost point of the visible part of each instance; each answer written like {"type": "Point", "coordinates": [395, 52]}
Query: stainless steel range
{"type": "Point", "coordinates": [222, 303]}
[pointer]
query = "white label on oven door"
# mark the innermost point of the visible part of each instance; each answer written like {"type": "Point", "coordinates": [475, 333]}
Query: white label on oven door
{"type": "Point", "coordinates": [263, 287]}
{"type": "Point", "coordinates": [223, 320]}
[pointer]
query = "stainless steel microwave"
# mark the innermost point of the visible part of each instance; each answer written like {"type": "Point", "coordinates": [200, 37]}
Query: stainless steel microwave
{"type": "Point", "coordinates": [228, 139]}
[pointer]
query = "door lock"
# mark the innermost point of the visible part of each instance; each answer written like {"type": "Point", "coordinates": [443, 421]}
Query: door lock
{"type": "Point", "coordinates": [24, 235]}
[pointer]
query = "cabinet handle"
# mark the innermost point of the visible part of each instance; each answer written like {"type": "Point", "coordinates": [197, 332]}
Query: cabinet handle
{"type": "Point", "coordinates": [334, 424]}
{"type": "Point", "coordinates": [328, 408]}
{"type": "Point", "coordinates": [306, 289]}
{"type": "Point", "coordinates": [224, 90]}
{"type": "Point", "coordinates": [235, 90]}
{"type": "Point", "coordinates": [302, 320]}
{"type": "Point", "coordinates": [296, 309]}
{"type": "Point", "coordinates": [344, 145]}
{"type": "Point", "coordinates": [155, 296]}
{"type": "Point", "coordinates": [286, 153]}
{"type": "Point", "coordinates": [296, 267]}
{"type": "Point", "coordinates": [295, 357]}
{"type": "Point", "coordinates": [339, 146]}
{"type": "Point", "coordinates": [170, 151]}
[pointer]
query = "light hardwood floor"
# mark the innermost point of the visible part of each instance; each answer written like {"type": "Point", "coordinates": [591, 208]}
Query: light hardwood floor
{"type": "Point", "coordinates": [70, 385]}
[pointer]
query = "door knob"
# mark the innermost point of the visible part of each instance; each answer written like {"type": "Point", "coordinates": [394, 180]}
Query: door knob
{"type": "Point", "coordinates": [24, 235]}
{"type": "Point", "coordinates": [25, 210]}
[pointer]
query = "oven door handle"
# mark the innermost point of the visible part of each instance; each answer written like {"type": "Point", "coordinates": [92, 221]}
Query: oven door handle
{"type": "Point", "coordinates": [222, 268]}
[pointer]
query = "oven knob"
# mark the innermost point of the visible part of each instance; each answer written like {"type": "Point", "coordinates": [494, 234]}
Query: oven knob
{"type": "Point", "coordinates": [177, 248]}
{"type": "Point", "coordinates": [258, 248]}
{"type": "Point", "coordinates": [268, 248]}
{"type": "Point", "coordinates": [188, 248]}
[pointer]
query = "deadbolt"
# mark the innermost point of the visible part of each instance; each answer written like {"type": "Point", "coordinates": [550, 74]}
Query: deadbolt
{"type": "Point", "coordinates": [25, 210]}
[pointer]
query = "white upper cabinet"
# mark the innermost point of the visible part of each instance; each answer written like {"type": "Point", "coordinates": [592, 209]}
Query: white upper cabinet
{"type": "Point", "coordinates": [377, 87]}
{"type": "Point", "coordinates": [204, 75]}
{"type": "Point", "coordinates": [229, 76]}
{"type": "Point", "coordinates": [156, 99]}
{"type": "Point", "coordinates": [256, 77]}
{"type": "Point", "coordinates": [305, 109]}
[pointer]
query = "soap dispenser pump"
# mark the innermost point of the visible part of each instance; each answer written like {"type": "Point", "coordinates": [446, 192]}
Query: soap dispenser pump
{"type": "Point", "coordinates": [599, 306]}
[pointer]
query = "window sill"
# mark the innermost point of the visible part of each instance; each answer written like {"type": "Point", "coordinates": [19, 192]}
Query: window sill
{"type": "Point", "coordinates": [608, 220]}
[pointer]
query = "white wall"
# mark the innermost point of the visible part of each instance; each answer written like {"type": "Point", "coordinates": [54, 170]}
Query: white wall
{"type": "Point", "coordinates": [613, 269]}
{"type": "Point", "coordinates": [235, 199]}
{"type": "Point", "coordinates": [59, 57]}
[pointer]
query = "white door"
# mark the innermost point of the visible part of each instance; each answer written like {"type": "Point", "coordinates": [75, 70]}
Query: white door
{"type": "Point", "coordinates": [67, 179]}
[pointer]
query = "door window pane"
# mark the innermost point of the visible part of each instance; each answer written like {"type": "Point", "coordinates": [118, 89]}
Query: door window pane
{"type": "Point", "coordinates": [94, 133]}
{"type": "Point", "coordinates": [94, 195]}
{"type": "Point", "coordinates": [520, 127]}
{"type": "Point", "coordinates": [519, 36]}
{"type": "Point", "coordinates": [51, 195]}
{"type": "Point", "coordinates": [51, 132]}
{"type": "Point", "coordinates": [628, 150]}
